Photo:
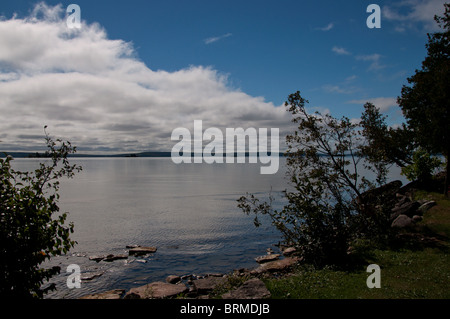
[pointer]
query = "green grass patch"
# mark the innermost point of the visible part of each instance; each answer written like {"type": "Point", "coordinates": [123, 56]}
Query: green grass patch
{"type": "Point", "coordinates": [418, 270]}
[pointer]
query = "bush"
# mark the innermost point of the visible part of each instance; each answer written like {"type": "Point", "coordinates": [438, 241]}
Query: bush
{"type": "Point", "coordinates": [29, 233]}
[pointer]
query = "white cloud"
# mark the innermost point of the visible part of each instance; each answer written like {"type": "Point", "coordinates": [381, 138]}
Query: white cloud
{"type": "Point", "coordinates": [340, 51]}
{"type": "Point", "coordinates": [327, 27]}
{"type": "Point", "coordinates": [215, 39]}
{"type": "Point", "coordinates": [383, 103]}
{"type": "Point", "coordinates": [410, 13]}
{"type": "Point", "coordinates": [374, 60]}
{"type": "Point", "coordinates": [95, 92]}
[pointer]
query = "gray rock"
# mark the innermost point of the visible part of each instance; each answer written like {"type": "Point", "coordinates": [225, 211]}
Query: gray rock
{"type": "Point", "coordinates": [426, 206]}
{"type": "Point", "coordinates": [90, 276]}
{"type": "Point", "coordinates": [402, 221]}
{"type": "Point", "coordinates": [289, 251]}
{"type": "Point", "coordinates": [206, 285]}
{"type": "Point", "coordinates": [156, 290]}
{"type": "Point", "coordinates": [142, 250]}
{"type": "Point", "coordinates": [251, 289]}
{"type": "Point", "coordinates": [267, 258]}
{"type": "Point", "coordinates": [173, 279]}
{"type": "Point", "coordinates": [97, 258]}
{"type": "Point", "coordinates": [409, 209]}
{"type": "Point", "coordinates": [417, 218]}
{"type": "Point", "coordinates": [277, 265]}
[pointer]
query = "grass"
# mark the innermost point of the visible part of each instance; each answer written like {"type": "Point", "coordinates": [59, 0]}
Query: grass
{"type": "Point", "coordinates": [417, 269]}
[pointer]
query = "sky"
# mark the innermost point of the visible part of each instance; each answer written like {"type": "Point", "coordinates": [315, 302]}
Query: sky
{"type": "Point", "coordinates": [136, 70]}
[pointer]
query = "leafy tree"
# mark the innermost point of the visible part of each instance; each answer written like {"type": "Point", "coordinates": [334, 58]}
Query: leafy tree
{"type": "Point", "coordinates": [422, 167]}
{"type": "Point", "coordinates": [30, 233]}
{"type": "Point", "coordinates": [385, 145]}
{"type": "Point", "coordinates": [326, 209]}
{"type": "Point", "coordinates": [425, 102]}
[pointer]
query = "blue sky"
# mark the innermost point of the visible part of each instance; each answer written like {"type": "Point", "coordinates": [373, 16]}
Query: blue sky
{"type": "Point", "coordinates": [252, 54]}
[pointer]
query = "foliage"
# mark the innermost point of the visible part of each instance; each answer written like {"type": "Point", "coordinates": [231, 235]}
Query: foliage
{"type": "Point", "coordinates": [325, 211]}
{"type": "Point", "coordinates": [29, 231]}
{"type": "Point", "coordinates": [425, 102]}
{"type": "Point", "coordinates": [422, 167]}
{"type": "Point", "coordinates": [385, 145]}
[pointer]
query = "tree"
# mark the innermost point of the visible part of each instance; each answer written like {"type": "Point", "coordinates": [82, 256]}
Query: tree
{"type": "Point", "coordinates": [385, 145]}
{"type": "Point", "coordinates": [326, 211]}
{"type": "Point", "coordinates": [29, 231]}
{"type": "Point", "coordinates": [425, 102]}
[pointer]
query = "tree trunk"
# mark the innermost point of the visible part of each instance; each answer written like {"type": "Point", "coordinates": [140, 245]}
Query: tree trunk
{"type": "Point", "coordinates": [447, 178]}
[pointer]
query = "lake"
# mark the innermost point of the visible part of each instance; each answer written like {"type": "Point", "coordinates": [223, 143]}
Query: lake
{"type": "Point", "coordinates": [188, 211]}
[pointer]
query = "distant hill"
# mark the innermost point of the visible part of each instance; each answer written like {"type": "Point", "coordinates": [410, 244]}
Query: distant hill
{"type": "Point", "coordinates": [142, 154]}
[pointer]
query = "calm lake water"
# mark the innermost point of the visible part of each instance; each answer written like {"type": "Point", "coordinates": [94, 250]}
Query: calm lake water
{"type": "Point", "coordinates": [188, 211]}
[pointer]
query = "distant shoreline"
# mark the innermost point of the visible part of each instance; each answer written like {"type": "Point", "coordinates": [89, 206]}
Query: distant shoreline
{"type": "Point", "coordinates": [130, 155]}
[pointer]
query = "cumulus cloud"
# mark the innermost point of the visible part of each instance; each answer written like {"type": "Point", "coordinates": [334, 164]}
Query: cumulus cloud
{"type": "Point", "coordinates": [410, 13]}
{"type": "Point", "coordinates": [95, 92]}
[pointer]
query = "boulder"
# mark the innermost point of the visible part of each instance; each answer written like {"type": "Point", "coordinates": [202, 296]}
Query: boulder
{"type": "Point", "coordinates": [206, 285]}
{"type": "Point", "coordinates": [289, 251]}
{"type": "Point", "coordinates": [409, 209]}
{"type": "Point", "coordinates": [267, 258]}
{"type": "Point", "coordinates": [402, 221]}
{"type": "Point", "coordinates": [251, 289]}
{"type": "Point", "coordinates": [277, 265]}
{"type": "Point", "coordinates": [156, 290]}
{"type": "Point", "coordinates": [381, 194]}
{"type": "Point", "coordinates": [90, 276]}
{"type": "Point", "coordinates": [97, 258]}
{"type": "Point", "coordinates": [142, 250]}
{"type": "Point", "coordinates": [173, 279]}
{"type": "Point", "coordinates": [111, 294]}
{"type": "Point", "coordinates": [426, 206]}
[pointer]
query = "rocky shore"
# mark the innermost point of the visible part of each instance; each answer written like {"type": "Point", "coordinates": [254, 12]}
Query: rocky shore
{"type": "Point", "coordinates": [246, 283]}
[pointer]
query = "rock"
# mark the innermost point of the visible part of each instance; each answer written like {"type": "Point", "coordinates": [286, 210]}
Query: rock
{"type": "Point", "coordinates": [426, 206]}
{"type": "Point", "coordinates": [409, 209]}
{"type": "Point", "coordinates": [112, 257]}
{"type": "Point", "coordinates": [173, 279]}
{"type": "Point", "coordinates": [251, 289]}
{"type": "Point", "coordinates": [142, 250]}
{"type": "Point", "coordinates": [206, 285]}
{"type": "Point", "coordinates": [402, 221]}
{"type": "Point", "coordinates": [90, 276]}
{"type": "Point", "coordinates": [111, 294]}
{"type": "Point", "coordinates": [97, 258]}
{"type": "Point", "coordinates": [267, 258]}
{"type": "Point", "coordinates": [289, 251]}
{"type": "Point", "coordinates": [132, 246]}
{"type": "Point", "coordinates": [277, 265]}
{"type": "Point", "coordinates": [156, 290]}
{"type": "Point", "coordinates": [381, 194]}
{"type": "Point", "coordinates": [417, 218]}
